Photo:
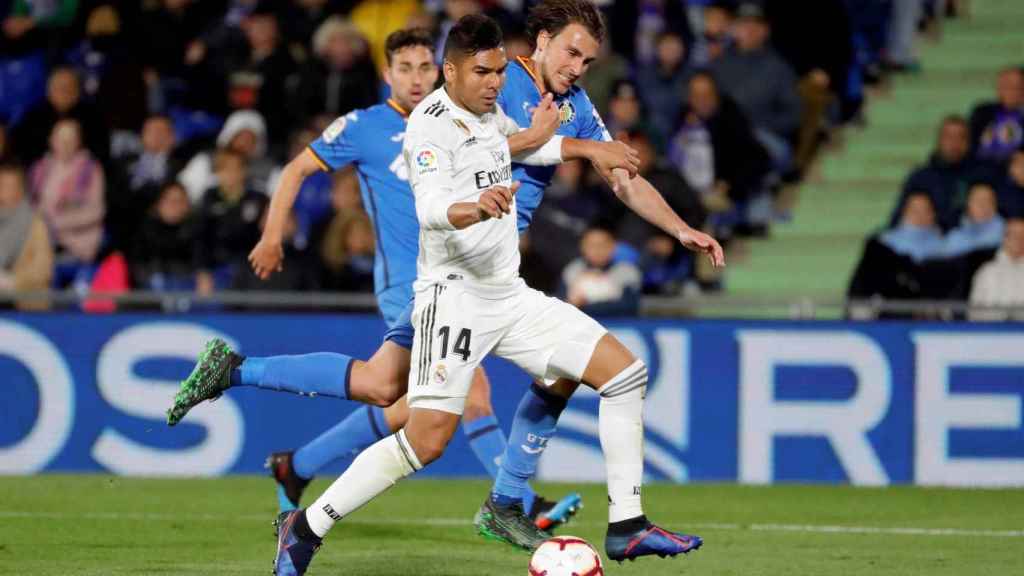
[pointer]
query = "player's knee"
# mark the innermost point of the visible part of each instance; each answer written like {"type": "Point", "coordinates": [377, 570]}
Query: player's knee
{"type": "Point", "coordinates": [429, 447]}
{"type": "Point", "coordinates": [384, 395]}
{"type": "Point", "coordinates": [631, 379]}
{"type": "Point", "coordinates": [477, 407]}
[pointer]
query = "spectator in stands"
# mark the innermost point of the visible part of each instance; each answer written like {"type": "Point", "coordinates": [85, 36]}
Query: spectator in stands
{"type": "Point", "coordinates": [262, 80]}
{"type": "Point", "coordinates": [981, 227]}
{"type": "Point", "coordinates": [596, 282]}
{"type": "Point", "coordinates": [228, 223]}
{"type": "Point", "coordinates": [244, 132]}
{"type": "Point", "coordinates": [762, 84]}
{"type": "Point", "coordinates": [340, 77]}
{"type": "Point", "coordinates": [161, 255]}
{"type": "Point", "coordinates": [918, 235]}
{"type": "Point", "coordinates": [68, 191]}
{"type": "Point", "coordinates": [999, 282]}
{"type": "Point", "coordinates": [662, 82]}
{"type": "Point", "coordinates": [26, 257]}
{"type": "Point", "coordinates": [625, 110]}
{"type": "Point", "coordinates": [821, 55]}
{"type": "Point", "coordinates": [997, 128]}
{"type": "Point", "coordinates": [178, 72]}
{"type": "Point", "coordinates": [63, 100]}
{"type": "Point", "coordinates": [947, 175]}
{"type": "Point", "coordinates": [715, 39]}
{"type": "Point", "coordinates": [299, 274]}
{"type": "Point", "coordinates": [1011, 193]}
{"type": "Point", "coordinates": [112, 73]}
{"type": "Point", "coordinates": [715, 149]}
{"type": "Point", "coordinates": [348, 255]}
{"type": "Point", "coordinates": [138, 180]}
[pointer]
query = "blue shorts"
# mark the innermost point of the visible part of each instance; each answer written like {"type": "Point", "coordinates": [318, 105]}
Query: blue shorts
{"type": "Point", "coordinates": [396, 304]}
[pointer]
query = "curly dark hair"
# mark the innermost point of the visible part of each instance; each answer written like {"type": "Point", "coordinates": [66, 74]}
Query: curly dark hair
{"type": "Point", "coordinates": [553, 16]}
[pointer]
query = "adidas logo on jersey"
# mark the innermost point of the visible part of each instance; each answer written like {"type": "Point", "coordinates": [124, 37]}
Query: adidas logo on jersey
{"type": "Point", "coordinates": [435, 109]}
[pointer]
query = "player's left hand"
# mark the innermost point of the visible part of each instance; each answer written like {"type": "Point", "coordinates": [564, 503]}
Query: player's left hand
{"type": "Point", "coordinates": [266, 258]}
{"type": "Point", "coordinates": [702, 243]}
{"type": "Point", "coordinates": [545, 119]}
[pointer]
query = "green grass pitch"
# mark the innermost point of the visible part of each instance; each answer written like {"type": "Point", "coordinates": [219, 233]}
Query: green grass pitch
{"type": "Point", "coordinates": [102, 525]}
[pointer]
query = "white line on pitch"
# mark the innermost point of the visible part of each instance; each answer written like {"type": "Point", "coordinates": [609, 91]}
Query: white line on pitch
{"type": "Point", "coordinates": [807, 528]}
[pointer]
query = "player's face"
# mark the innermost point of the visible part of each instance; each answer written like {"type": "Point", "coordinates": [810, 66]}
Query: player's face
{"type": "Point", "coordinates": [474, 81]}
{"type": "Point", "coordinates": [411, 75]}
{"type": "Point", "coordinates": [564, 58]}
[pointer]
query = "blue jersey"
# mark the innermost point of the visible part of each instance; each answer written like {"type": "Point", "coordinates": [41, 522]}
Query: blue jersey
{"type": "Point", "coordinates": [371, 139]}
{"type": "Point", "coordinates": [579, 120]}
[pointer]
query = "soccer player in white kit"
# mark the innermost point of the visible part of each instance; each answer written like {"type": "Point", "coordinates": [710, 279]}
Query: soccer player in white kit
{"type": "Point", "coordinates": [470, 302]}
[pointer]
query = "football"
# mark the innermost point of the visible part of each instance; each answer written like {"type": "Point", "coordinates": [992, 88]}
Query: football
{"type": "Point", "coordinates": [565, 556]}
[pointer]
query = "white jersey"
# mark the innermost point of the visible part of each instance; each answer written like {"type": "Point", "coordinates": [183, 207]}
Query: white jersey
{"type": "Point", "coordinates": [454, 155]}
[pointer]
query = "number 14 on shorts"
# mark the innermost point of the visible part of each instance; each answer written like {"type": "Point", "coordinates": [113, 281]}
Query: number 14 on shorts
{"type": "Point", "coordinates": [462, 342]}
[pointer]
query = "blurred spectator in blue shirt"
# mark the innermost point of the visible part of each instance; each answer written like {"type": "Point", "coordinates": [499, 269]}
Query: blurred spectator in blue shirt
{"type": "Point", "coordinates": [917, 236]}
{"type": "Point", "coordinates": [981, 227]}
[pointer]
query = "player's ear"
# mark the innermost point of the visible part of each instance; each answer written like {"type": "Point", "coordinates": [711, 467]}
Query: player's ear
{"type": "Point", "coordinates": [449, 70]}
{"type": "Point", "coordinates": [543, 38]}
{"type": "Point", "coordinates": [387, 75]}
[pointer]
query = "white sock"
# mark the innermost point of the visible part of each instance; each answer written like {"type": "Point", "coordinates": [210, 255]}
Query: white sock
{"type": "Point", "coordinates": [621, 429]}
{"type": "Point", "coordinates": [375, 470]}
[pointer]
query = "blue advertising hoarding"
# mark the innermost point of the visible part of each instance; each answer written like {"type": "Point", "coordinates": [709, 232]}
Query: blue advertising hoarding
{"type": "Point", "coordinates": [748, 401]}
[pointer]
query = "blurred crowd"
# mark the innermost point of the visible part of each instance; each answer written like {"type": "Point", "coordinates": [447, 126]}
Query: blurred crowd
{"type": "Point", "coordinates": [139, 141]}
{"type": "Point", "coordinates": [957, 231]}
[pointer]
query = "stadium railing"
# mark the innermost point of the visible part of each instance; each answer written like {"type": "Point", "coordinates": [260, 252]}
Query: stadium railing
{"type": "Point", "coordinates": [720, 306]}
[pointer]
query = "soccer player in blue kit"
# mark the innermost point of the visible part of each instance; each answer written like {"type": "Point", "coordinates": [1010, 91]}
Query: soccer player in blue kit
{"type": "Point", "coordinates": [371, 140]}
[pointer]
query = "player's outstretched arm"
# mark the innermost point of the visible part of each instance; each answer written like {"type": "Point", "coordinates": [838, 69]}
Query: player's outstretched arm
{"type": "Point", "coordinates": [644, 199]}
{"type": "Point", "coordinates": [606, 156]}
{"type": "Point", "coordinates": [266, 258]}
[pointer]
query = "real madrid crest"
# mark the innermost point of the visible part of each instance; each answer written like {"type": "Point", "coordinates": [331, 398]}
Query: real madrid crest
{"type": "Point", "coordinates": [440, 374]}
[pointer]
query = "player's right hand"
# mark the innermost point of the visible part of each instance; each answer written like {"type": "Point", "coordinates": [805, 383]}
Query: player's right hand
{"type": "Point", "coordinates": [266, 258]}
{"type": "Point", "coordinates": [545, 119]}
{"type": "Point", "coordinates": [496, 201]}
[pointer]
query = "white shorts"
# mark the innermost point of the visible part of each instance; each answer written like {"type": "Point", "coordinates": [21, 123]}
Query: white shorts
{"type": "Point", "coordinates": [458, 324]}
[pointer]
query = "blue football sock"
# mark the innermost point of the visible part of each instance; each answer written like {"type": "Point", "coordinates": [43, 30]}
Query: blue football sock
{"type": "Point", "coordinates": [319, 374]}
{"type": "Point", "coordinates": [534, 424]}
{"type": "Point", "coordinates": [349, 437]}
{"type": "Point", "coordinates": [487, 440]}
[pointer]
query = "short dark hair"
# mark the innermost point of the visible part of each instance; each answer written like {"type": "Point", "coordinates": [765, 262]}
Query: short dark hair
{"type": "Point", "coordinates": [473, 33]}
{"type": "Point", "coordinates": [553, 16]}
{"type": "Point", "coordinates": [407, 38]}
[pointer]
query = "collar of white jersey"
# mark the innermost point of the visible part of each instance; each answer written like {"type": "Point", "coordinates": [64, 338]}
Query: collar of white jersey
{"type": "Point", "coordinates": [459, 111]}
